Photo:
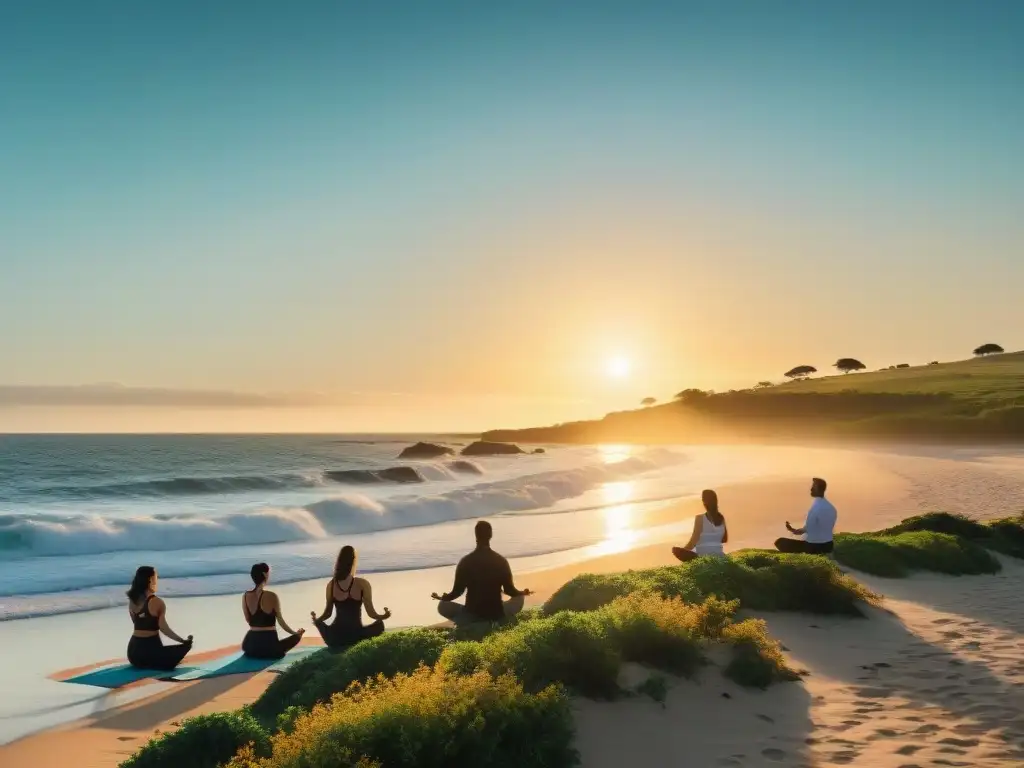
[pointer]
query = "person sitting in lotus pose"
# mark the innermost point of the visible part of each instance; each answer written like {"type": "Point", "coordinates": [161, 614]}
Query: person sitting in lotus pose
{"type": "Point", "coordinates": [149, 617]}
{"type": "Point", "coordinates": [482, 574]}
{"type": "Point", "coordinates": [347, 595]}
{"type": "Point", "coordinates": [262, 611]}
{"type": "Point", "coordinates": [709, 532]}
{"type": "Point", "coordinates": [819, 528]}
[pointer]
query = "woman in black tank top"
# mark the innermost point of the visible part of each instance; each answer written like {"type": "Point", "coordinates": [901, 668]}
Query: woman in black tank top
{"type": "Point", "coordinates": [346, 596]}
{"type": "Point", "coordinates": [262, 612]}
{"type": "Point", "coordinates": [149, 617]}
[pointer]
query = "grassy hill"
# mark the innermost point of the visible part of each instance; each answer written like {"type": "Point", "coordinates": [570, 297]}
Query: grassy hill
{"type": "Point", "coordinates": [980, 399]}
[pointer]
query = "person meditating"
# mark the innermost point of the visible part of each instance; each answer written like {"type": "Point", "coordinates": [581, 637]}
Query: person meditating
{"type": "Point", "coordinates": [482, 574]}
{"type": "Point", "coordinates": [347, 595]}
{"type": "Point", "coordinates": [817, 530]}
{"type": "Point", "coordinates": [262, 611]}
{"type": "Point", "coordinates": [149, 617]}
{"type": "Point", "coordinates": [709, 532]}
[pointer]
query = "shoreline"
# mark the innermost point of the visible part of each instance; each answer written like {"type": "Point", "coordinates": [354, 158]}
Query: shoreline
{"type": "Point", "coordinates": [868, 494]}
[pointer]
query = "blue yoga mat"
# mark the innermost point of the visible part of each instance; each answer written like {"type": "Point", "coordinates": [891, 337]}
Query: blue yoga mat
{"type": "Point", "coordinates": [239, 664]}
{"type": "Point", "coordinates": [120, 675]}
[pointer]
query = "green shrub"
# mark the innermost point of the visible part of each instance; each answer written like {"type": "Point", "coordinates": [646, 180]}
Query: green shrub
{"type": "Point", "coordinates": [895, 555]}
{"type": "Point", "coordinates": [317, 678]}
{"type": "Point", "coordinates": [205, 741]}
{"type": "Point", "coordinates": [656, 687]}
{"type": "Point", "coordinates": [1007, 536]}
{"type": "Point", "coordinates": [759, 579]}
{"type": "Point", "coordinates": [571, 648]}
{"type": "Point", "coordinates": [430, 719]}
{"type": "Point", "coordinates": [667, 634]}
{"type": "Point", "coordinates": [589, 591]}
{"type": "Point", "coordinates": [940, 522]}
{"type": "Point", "coordinates": [757, 659]}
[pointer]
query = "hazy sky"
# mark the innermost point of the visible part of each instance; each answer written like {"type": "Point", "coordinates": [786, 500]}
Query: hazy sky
{"type": "Point", "coordinates": [454, 214]}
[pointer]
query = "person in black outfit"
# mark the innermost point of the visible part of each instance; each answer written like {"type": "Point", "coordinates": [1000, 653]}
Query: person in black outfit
{"type": "Point", "coordinates": [347, 595]}
{"type": "Point", "coordinates": [262, 611]}
{"type": "Point", "coordinates": [149, 617]}
{"type": "Point", "coordinates": [482, 574]}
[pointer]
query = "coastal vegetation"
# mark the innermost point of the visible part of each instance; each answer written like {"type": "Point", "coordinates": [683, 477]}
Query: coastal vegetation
{"type": "Point", "coordinates": [977, 399]}
{"type": "Point", "coordinates": [939, 542]}
{"type": "Point", "coordinates": [501, 694]}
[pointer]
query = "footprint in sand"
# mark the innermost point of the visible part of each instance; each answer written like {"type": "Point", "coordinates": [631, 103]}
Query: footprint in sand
{"type": "Point", "coordinates": [959, 742]}
{"type": "Point", "coordinates": [927, 728]}
{"type": "Point", "coordinates": [909, 749]}
{"type": "Point", "coordinates": [845, 757]}
{"type": "Point", "coordinates": [775, 755]}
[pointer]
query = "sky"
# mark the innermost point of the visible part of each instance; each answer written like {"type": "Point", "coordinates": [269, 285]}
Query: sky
{"type": "Point", "coordinates": [340, 216]}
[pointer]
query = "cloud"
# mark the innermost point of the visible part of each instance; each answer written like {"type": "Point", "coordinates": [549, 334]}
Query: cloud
{"type": "Point", "coordinates": [120, 395]}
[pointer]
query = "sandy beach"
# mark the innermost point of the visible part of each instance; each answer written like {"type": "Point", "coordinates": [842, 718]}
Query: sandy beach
{"type": "Point", "coordinates": [933, 677]}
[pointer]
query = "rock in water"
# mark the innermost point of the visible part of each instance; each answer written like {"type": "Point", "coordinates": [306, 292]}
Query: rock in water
{"type": "Point", "coordinates": [467, 467]}
{"type": "Point", "coordinates": [486, 448]}
{"type": "Point", "coordinates": [425, 451]}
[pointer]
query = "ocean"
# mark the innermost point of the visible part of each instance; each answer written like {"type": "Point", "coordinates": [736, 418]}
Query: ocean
{"type": "Point", "coordinates": [78, 513]}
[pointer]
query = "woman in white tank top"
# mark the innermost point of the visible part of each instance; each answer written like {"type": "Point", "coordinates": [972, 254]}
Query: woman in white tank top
{"type": "Point", "coordinates": [709, 532]}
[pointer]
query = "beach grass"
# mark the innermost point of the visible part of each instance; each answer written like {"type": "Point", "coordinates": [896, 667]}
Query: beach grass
{"type": "Point", "coordinates": [938, 541]}
{"type": "Point", "coordinates": [761, 580]}
{"type": "Point", "coordinates": [205, 741]}
{"type": "Point", "coordinates": [431, 718]}
{"type": "Point", "coordinates": [319, 676]}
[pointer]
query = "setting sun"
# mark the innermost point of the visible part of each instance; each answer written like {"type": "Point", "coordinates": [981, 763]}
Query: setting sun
{"type": "Point", "coordinates": [618, 367]}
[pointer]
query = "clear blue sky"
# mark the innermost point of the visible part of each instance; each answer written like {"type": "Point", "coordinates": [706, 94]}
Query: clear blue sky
{"type": "Point", "coordinates": [447, 201]}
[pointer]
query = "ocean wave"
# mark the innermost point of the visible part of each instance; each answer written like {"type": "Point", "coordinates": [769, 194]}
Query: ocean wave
{"type": "Point", "coordinates": [198, 486]}
{"type": "Point", "coordinates": [69, 535]}
{"type": "Point", "coordinates": [187, 486]}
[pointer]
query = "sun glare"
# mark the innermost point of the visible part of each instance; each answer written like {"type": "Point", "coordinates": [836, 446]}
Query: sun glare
{"type": "Point", "coordinates": [618, 367]}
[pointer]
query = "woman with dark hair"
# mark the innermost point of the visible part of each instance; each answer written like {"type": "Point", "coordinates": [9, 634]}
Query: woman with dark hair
{"type": "Point", "coordinates": [149, 617]}
{"type": "Point", "coordinates": [709, 532]}
{"type": "Point", "coordinates": [262, 611]}
{"type": "Point", "coordinates": [347, 595]}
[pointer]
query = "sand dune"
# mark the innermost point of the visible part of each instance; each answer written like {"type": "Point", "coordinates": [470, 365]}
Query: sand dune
{"type": "Point", "coordinates": [936, 678]}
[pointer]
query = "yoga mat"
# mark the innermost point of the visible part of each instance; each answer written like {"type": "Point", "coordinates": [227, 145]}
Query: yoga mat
{"type": "Point", "coordinates": [120, 675]}
{"type": "Point", "coordinates": [239, 663]}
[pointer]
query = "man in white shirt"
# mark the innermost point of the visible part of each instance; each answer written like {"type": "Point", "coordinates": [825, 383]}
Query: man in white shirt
{"type": "Point", "coordinates": [817, 531]}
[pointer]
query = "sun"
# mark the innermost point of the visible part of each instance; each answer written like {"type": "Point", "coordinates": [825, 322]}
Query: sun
{"type": "Point", "coordinates": [618, 367]}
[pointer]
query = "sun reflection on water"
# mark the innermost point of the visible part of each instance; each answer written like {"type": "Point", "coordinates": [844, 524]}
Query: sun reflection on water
{"type": "Point", "coordinates": [613, 454]}
{"type": "Point", "coordinates": [618, 518]}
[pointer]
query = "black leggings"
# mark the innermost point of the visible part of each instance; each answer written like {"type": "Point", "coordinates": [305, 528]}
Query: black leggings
{"type": "Point", "coordinates": [266, 644]}
{"type": "Point", "coordinates": [339, 635]}
{"type": "Point", "coordinates": [801, 547]}
{"type": "Point", "coordinates": [151, 653]}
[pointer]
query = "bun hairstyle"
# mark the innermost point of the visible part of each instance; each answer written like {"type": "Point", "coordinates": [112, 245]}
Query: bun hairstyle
{"type": "Point", "coordinates": [140, 584]}
{"type": "Point", "coordinates": [710, 499]}
{"type": "Point", "coordinates": [345, 565]}
{"type": "Point", "coordinates": [259, 573]}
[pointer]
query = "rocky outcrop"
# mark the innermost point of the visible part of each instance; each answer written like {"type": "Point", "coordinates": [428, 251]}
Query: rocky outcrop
{"type": "Point", "coordinates": [369, 476]}
{"type": "Point", "coordinates": [425, 451]}
{"type": "Point", "coordinates": [466, 467]}
{"type": "Point", "coordinates": [486, 448]}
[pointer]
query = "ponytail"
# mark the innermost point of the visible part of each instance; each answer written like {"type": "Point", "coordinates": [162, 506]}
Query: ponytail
{"type": "Point", "coordinates": [710, 499]}
{"type": "Point", "coordinates": [345, 565]}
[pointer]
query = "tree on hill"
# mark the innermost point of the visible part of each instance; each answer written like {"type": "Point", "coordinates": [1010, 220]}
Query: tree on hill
{"type": "Point", "coordinates": [763, 385]}
{"type": "Point", "coordinates": [988, 349]}
{"type": "Point", "coordinates": [848, 364]}
{"type": "Point", "coordinates": [691, 395]}
{"type": "Point", "coordinates": [647, 402]}
{"type": "Point", "coordinates": [934, 362]}
{"type": "Point", "coordinates": [800, 371]}
{"type": "Point", "coordinates": [903, 365]}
